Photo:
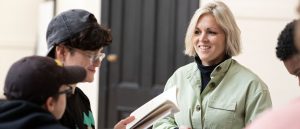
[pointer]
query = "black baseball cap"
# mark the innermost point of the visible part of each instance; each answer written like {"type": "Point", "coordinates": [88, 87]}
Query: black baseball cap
{"type": "Point", "coordinates": [67, 24]}
{"type": "Point", "coordinates": [35, 78]}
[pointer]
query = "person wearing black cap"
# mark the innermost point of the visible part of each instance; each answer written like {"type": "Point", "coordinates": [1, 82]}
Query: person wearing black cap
{"type": "Point", "coordinates": [36, 88]}
{"type": "Point", "coordinates": [74, 37]}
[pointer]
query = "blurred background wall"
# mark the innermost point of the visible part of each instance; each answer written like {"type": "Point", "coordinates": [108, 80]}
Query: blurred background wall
{"type": "Point", "coordinates": [18, 33]}
{"type": "Point", "coordinates": [23, 24]}
{"type": "Point", "coordinates": [23, 33]}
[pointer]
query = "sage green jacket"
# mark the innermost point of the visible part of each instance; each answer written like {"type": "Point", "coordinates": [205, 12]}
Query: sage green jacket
{"type": "Point", "coordinates": [233, 97]}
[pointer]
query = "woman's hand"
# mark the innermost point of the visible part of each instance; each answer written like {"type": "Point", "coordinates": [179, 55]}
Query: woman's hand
{"type": "Point", "coordinates": [122, 124]}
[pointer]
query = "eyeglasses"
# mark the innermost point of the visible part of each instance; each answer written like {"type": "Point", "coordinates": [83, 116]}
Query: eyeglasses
{"type": "Point", "coordinates": [68, 91]}
{"type": "Point", "coordinates": [92, 57]}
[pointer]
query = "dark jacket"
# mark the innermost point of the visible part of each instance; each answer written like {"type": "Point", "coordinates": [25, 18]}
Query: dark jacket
{"type": "Point", "coordinates": [78, 114]}
{"type": "Point", "coordinates": [19, 114]}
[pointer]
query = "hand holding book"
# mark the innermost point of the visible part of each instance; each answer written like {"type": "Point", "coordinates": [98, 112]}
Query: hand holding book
{"type": "Point", "coordinates": [122, 124]}
{"type": "Point", "coordinates": [157, 108]}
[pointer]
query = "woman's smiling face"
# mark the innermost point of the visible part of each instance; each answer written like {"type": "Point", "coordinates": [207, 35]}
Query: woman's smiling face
{"type": "Point", "coordinates": [209, 40]}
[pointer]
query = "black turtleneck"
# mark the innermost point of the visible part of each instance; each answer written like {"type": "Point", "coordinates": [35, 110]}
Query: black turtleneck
{"type": "Point", "coordinates": [205, 71]}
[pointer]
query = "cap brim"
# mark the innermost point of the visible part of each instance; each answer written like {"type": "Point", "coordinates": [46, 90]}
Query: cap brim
{"type": "Point", "coordinates": [73, 74]}
{"type": "Point", "coordinates": [50, 52]}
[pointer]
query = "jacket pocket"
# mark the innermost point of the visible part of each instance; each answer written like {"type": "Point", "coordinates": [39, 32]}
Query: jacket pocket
{"type": "Point", "coordinates": [219, 115]}
{"type": "Point", "coordinates": [228, 106]}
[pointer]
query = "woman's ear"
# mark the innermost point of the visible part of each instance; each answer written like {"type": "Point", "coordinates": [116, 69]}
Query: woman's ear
{"type": "Point", "coordinates": [50, 104]}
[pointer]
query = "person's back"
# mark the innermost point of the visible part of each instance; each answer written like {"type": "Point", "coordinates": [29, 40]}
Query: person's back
{"type": "Point", "coordinates": [286, 117]}
{"type": "Point", "coordinates": [18, 114]}
{"type": "Point", "coordinates": [36, 89]}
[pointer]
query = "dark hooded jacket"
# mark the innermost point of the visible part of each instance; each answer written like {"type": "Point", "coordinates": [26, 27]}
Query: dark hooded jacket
{"type": "Point", "coordinates": [19, 114]}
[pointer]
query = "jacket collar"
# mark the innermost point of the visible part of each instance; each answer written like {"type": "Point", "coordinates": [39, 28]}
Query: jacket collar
{"type": "Point", "coordinates": [221, 68]}
{"type": "Point", "coordinates": [217, 74]}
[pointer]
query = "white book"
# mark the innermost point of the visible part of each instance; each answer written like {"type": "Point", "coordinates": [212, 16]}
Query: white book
{"type": "Point", "coordinates": [155, 109]}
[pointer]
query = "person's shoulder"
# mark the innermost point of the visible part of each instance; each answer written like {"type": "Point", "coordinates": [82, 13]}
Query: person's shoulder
{"type": "Point", "coordinates": [21, 106]}
{"type": "Point", "coordinates": [23, 114]}
{"type": "Point", "coordinates": [285, 116]}
{"type": "Point", "coordinates": [292, 108]}
{"type": "Point", "coordinates": [295, 102]}
{"type": "Point", "coordinates": [244, 74]}
{"type": "Point", "coordinates": [82, 96]}
{"type": "Point", "coordinates": [52, 126]}
{"type": "Point", "coordinates": [187, 68]}
{"type": "Point", "coordinates": [183, 72]}
{"type": "Point", "coordinates": [241, 70]}
{"type": "Point", "coordinates": [80, 93]}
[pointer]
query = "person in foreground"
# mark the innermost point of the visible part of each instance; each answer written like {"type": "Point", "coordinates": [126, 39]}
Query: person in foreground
{"type": "Point", "coordinates": [74, 37]}
{"type": "Point", "coordinates": [36, 89]}
{"type": "Point", "coordinates": [215, 91]}
{"type": "Point", "coordinates": [285, 117]}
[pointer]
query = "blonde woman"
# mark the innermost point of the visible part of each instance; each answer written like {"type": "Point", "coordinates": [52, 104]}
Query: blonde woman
{"type": "Point", "coordinates": [215, 91]}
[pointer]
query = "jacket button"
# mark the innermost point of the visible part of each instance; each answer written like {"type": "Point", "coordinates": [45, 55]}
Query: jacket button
{"type": "Point", "coordinates": [218, 68]}
{"type": "Point", "coordinates": [198, 108]}
{"type": "Point", "coordinates": [213, 85]}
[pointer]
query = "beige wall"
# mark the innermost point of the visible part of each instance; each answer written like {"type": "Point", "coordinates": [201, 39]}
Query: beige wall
{"type": "Point", "coordinates": [23, 26]}
{"type": "Point", "coordinates": [18, 32]}
{"type": "Point", "coordinates": [261, 22]}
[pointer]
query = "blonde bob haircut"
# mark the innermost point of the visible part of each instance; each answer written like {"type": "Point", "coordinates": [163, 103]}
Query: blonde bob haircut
{"type": "Point", "coordinates": [225, 19]}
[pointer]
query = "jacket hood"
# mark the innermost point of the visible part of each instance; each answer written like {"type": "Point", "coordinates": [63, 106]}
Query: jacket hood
{"type": "Point", "coordinates": [19, 114]}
